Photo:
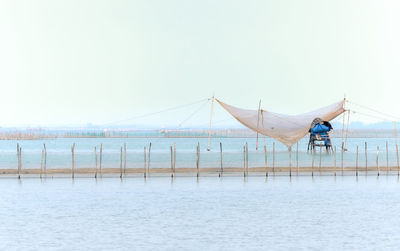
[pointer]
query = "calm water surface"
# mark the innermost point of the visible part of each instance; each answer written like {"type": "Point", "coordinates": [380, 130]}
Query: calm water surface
{"type": "Point", "coordinates": [59, 152]}
{"type": "Point", "coordinates": [212, 214]}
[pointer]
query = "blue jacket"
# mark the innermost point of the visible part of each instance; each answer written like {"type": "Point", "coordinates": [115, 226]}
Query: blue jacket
{"type": "Point", "coordinates": [321, 129]}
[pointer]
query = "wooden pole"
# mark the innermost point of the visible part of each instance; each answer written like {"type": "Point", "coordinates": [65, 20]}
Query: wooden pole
{"type": "Point", "coordinates": [387, 158]}
{"type": "Point", "coordinates": [19, 161]}
{"type": "Point", "coordinates": [397, 150]}
{"type": "Point", "coordinates": [273, 158]}
{"type": "Point", "coordinates": [244, 161]}
{"type": "Point", "coordinates": [101, 157]}
{"type": "Point", "coordinates": [297, 158]}
{"type": "Point", "coordinates": [209, 132]}
{"type": "Point", "coordinates": [334, 160]}
{"type": "Point", "coordinates": [45, 159]}
{"type": "Point", "coordinates": [377, 159]}
{"type": "Point", "coordinates": [397, 157]}
{"type": "Point", "coordinates": [95, 156]}
{"type": "Point", "coordinates": [144, 163]}
{"type": "Point", "coordinates": [290, 161]}
{"type": "Point", "coordinates": [41, 164]}
{"type": "Point", "coordinates": [344, 115]}
{"type": "Point", "coordinates": [266, 160]}
{"type": "Point", "coordinates": [172, 163]}
{"type": "Point", "coordinates": [73, 160]}
{"type": "Point", "coordinates": [395, 132]}
{"type": "Point", "coordinates": [357, 160]}
{"type": "Point", "coordinates": [198, 159]}
{"type": "Point", "coordinates": [347, 130]}
{"type": "Point", "coordinates": [342, 165]}
{"type": "Point", "coordinates": [366, 159]}
{"type": "Point", "coordinates": [312, 162]}
{"type": "Point", "coordinates": [125, 158]}
{"type": "Point", "coordinates": [174, 159]}
{"type": "Point", "coordinates": [120, 165]}
{"type": "Point", "coordinates": [258, 119]}
{"type": "Point", "coordinates": [220, 153]}
{"type": "Point", "coordinates": [148, 162]}
{"type": "Point", "coordinates": [320, 160]}
{"type": "Point", "coordinates": [247, 159]}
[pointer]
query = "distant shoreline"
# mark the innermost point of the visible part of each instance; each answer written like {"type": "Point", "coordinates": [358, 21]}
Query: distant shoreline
{"type": "Point", "coordinates": [33, 134]}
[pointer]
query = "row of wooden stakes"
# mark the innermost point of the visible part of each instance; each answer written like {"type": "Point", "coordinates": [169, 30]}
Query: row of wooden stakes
{"type": "Point", "coordinates": [147, 156]}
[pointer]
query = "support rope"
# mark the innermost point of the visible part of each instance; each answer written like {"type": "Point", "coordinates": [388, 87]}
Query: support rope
{"type": "Point", "coordinates": [158, 112]}
{"type": "Point", "coordinates": [371, 116]}
{"type": "Point", "coordinates": [192, 114]}
{"type": "Point", "coordinates": [376, 111]}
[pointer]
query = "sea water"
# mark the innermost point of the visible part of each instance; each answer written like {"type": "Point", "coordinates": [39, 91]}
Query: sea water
{"type": "Point", "coordinates": [229, 213]}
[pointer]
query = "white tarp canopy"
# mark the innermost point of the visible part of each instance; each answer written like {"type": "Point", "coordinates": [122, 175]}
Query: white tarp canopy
{"type": "Point", "coordinates": [287, 129]}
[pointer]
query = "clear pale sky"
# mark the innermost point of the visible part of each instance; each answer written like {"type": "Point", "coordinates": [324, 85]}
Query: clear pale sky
{"type": "Point", "coordinates": [74, 62]}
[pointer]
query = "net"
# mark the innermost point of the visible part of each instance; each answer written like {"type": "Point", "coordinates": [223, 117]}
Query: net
{"type": "Point", "coordinates": [287, 129]}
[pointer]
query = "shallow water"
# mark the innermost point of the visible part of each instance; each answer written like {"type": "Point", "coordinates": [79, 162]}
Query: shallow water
{"type": "Point", "coordinates": [212, 214]}
{"type": "Point", "coordinates": [59, 152]}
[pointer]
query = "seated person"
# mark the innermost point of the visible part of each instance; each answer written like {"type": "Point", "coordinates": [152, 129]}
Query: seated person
{"type": "Point", "coordinates": [320, 131]}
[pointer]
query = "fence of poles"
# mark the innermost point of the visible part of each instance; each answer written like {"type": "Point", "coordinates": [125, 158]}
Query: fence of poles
{"type": "Point", "coordinates": [220, 168]}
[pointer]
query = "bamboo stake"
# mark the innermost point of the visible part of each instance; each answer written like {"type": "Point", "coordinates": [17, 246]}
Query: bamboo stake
{"type": "Point", "coordinates": [334, 160]}
{"type": "Point", "coordinates": [320, 160]}
{"type": "Point", "coordinates": [172, 164]}
{"type": "Point", "coordinates": [342, 158]}
{"type": "Point", "coordinates": [258, 119]}
{"type": "Point", "coordinates": [19, 161]}
{"type": "Point", "coordinates": [387, 158]}
{"type": "Point", "coordinates": [45, 159]}
{"type": "Point", "coordinates": [221, 167]}
{"type": "Point", "coordinates": [266, 160]}
{"type": "Point", "coordinates": [290, 161]}
{"type": "Point", "coordinates": [247, 159]}
{"type": "Point", "coordinates": [125, 158]}
{"type": "Point", "coordinates": [397, 149]}
{"type": "Point", "coordinates": [198, 159]}
{"type": "Point", "coordinates": [101, 157]}
{"type": "Point", "coordinates": [357, 160]}
{"type": "Point", "coordinates": [41, 164]}
{"type": "Point", "coordinates": [95, 154]}
{"type": "Point", "coordinates": [297, 158]}
{"type": "Point", "coordinates": [397, 157]}
{"type": "Point", "coordinates": [148, 162]}
{"type": "Point", "coordinates": [273, 158]}
{"type": "Point", "coordinates": [73, 160]}
{"type": "Point", "coordinates": [377, 159]}
{"type": "Point", "coordinates": [312, 162]}
{"type": "Point", "coordinates": [347, 130]}
{"type": "Point", "coordinates": [209, 132]}
{"type": "Point", "coordinates": [120, 165]}
{"type": "Point", "coordinates": [174, 159]}
{"type": "Point", "coordinates": [395, 132]}
{"type": "Point", "coordinates": [244, 161]}
{"type": "Point", "coordinates": [344, 115]}
{"type": "Point", "coordinates": [366, 159]}
{"type": "Point", "coordinates": [144, 162]}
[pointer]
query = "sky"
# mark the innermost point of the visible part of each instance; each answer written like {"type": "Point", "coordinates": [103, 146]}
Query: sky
{"type": "Point", "coordinates": [109, 62]}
